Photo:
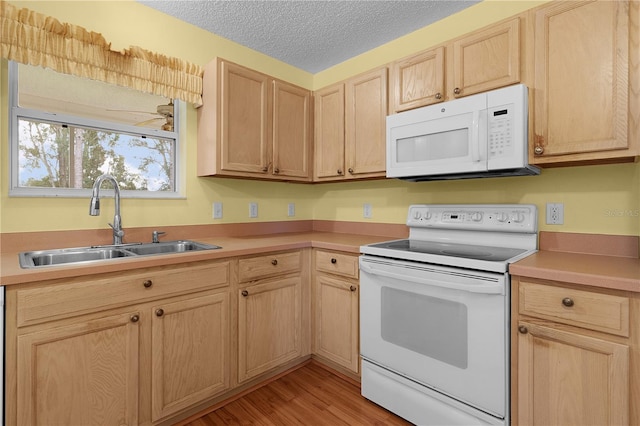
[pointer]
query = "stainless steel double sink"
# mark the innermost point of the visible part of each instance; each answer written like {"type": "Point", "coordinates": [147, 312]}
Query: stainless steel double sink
{"type": "Point", "coordinates": [35, 259]}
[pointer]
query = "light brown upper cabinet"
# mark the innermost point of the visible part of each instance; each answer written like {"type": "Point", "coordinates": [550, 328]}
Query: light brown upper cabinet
{"type": "Point", "coordinates": [486, 59]}
{"type": "Point", "coordinates": [252, 125]}
{"type": "Point", "coordinates": [350, 128]}
{"type": "Point", "coordinates": [479, 61]}
{"type": "Point", "coordinates": [586, 82]}
{"type": "Point", "coordinates": [418, 80]}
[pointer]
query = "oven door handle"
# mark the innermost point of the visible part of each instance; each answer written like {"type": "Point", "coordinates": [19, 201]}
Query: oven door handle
{"type": "Point", "coordinates": [488, 288]}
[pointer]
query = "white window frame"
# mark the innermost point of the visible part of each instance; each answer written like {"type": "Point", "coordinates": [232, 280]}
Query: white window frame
{"type": "Point", "coordinates": [16, 112]}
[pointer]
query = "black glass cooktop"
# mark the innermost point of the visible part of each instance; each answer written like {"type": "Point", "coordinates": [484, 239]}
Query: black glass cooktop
{"type": "Point", "coordinates": [468, 251]}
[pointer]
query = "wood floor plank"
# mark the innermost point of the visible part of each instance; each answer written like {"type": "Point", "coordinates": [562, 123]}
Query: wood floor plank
{"type": "Point", "coordinates": [310, 395]}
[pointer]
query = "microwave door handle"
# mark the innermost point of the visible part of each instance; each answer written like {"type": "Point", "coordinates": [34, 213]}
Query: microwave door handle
{"type": "Point", "coordinates": [475, 137]}
{"type": "Point", "coordinates": [489, 288]}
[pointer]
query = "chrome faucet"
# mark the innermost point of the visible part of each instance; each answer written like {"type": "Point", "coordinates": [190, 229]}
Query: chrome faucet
{"type": "Point", "coordinates": [94, 206]}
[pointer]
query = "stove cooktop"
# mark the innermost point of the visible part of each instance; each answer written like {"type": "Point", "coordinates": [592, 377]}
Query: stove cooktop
{"type": "Point", "coordinates": [467, 251]}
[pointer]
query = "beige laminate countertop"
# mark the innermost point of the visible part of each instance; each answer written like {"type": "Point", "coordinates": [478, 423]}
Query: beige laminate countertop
{"type": "Point", "coordinates": [11, 273]}
{"type": "Point", "coordinates": [612, 272]}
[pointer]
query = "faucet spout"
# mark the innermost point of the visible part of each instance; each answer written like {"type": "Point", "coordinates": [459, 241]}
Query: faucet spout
{"type": "Point", "coordinates": [94, 206]}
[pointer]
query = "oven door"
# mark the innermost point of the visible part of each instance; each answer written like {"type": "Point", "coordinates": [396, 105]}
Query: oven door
{"type": "Point", "coordinates": [445, 328]}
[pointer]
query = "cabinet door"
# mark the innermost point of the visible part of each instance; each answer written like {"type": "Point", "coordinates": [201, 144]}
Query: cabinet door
{"type": "Point", "coordinates": [291, 131]}
{"type": "Point", "coordinates": [269, 326]}
{"type": "Point", "coordinates": [329, 133]}
{"type": "Point", "coordinates": [487, 59]}
{"type": "Point", "coordinates": [189, 351]}
{"type": "Point", "coordinates": [80, 374]}
{"type": "Point", "coordinates": [568, 379]}
{"type": "Point", "coordinates": [581, 81]}
{"type": "Point", "coordinates": [418, 80]}
{"type": "Point", "coordinates": [336, 321]}
{"type": "Point", "coordinates": [244, 120]}
{"type": "Point", "coordinates": [365, 116]}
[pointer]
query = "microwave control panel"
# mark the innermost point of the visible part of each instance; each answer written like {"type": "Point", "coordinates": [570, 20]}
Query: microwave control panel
{"type": "Point", "coordinates": [501, 131]}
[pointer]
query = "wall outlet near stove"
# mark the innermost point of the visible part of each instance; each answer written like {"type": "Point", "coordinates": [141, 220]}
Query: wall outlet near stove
{"type": "Point", "coordinates": [253, 209]}
{"type": "Point", "coordinates": [555, 213]}
{"type": "Point", "coordinates": [366, 211]}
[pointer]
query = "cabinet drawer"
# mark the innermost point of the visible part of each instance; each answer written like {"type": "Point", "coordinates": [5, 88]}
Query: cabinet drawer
{"type": "Point", "coordinates": [270, 265]}
{"type": "Point", "coordinates": [594, 311]}
{"type": "Point", "coordinates": [56, 301]}
{"type": "Point", "coordinates": [337, 263]}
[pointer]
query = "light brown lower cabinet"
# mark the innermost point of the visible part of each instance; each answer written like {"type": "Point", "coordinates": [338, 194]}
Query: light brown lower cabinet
{"type": "Point", "coordinates": [575, 355]}
{"type": "Point", "coordinates": [136, 361]}
{"type": "Point", "coordinates": [336, 309]}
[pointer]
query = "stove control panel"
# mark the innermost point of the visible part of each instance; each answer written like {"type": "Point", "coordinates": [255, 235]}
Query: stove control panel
{"type": "Point", "coordinates": [481, 217]}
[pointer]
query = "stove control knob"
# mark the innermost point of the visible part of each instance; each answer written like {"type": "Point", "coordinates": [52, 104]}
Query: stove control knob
{"type": "Point", "coordinates": [417, 215]}
{"type": "Point", "coordinates": [476, 216]}
{"type": "Point", "coordinates": [502, 217]}
{"type": "Point", "coordinates": [518, 217]}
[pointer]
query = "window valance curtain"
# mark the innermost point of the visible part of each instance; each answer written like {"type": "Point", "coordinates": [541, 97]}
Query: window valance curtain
{"type": "Point", "coordinates": [35, 39]}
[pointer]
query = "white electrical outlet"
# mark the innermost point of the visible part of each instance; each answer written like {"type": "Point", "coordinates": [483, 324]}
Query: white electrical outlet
{"type": "Point", "coordinates": [291, 210]}
{"type": "Point", "coordinates": [253, 209]}
{"type": "Point", "coordinates": [555, 213]}
{"type": "Point", "coordinates": [217, 210]}
{"type": "Point", "coordinates": [366, 211]}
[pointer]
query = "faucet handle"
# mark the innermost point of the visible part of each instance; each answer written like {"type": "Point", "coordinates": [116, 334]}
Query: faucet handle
{"type": "Point", "coordinates": [155, 235]}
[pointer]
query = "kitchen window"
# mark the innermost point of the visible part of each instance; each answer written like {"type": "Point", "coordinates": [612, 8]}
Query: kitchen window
{"type": "Point", "coordinates": [65, 131]}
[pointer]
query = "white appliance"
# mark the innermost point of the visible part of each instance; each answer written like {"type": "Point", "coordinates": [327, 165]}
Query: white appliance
{"type": "Point", "coordinates": [434, 313]}
{"type": "Point", "coordinates": [483, 135]}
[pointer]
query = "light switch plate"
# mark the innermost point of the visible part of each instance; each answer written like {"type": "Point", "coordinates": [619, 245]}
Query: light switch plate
{"type": "Point", "coordinates": [217, 210]}
{"type": "Point", "coordinates": [253, 209]}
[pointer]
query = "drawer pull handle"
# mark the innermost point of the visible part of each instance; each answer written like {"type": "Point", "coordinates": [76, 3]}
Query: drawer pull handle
{"type": "Point", "coordinates": [568, 302]}
{"type": "Point", "coordinates": [135, 318]}
{"type": "Point", "coordinates": [274, 262]}
{"type": "Point", "coordinates": [523, 330]}
{"type": "Point", "coordinates": [160, 312]}
{"type": "Point", "coordinates": [334, 260]}
{"type": "Point", "coordinates": [245, 293]}
{"type": "Point", "coordinates": [456, 91]}
{"type": "Point", "coordinates": [353, 288]}
{"type": "Point", "coordinates": [147, 283]}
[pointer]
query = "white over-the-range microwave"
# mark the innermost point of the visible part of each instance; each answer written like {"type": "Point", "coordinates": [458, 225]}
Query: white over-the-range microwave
{"type": "Point", "coordinates": [483, 135]}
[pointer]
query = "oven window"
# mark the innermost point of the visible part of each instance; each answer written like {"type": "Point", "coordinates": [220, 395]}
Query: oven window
{"type": "Point", "coordinates": [433, 327]}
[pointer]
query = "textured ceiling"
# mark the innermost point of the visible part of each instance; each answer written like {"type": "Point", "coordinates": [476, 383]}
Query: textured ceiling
{"type": "Point", "coordinates": [310, 34]}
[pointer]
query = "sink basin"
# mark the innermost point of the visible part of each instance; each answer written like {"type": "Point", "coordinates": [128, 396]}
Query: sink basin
{"type": "Point", "coordinates": [169, 247]}
{"type": "Point", "coordinates": [35, 259]}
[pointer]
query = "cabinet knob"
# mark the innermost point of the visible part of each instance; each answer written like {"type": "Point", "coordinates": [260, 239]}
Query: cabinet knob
{"type": "Point", "coordinates": [353, 288]}
{"type": "Point", "coordinates": [523, 330]}
{"type": "Point", "coordinates": [438, 95]}
{"type": "Point", "coordinates": [265, 169]}
{"type": "Point", "coordinates": [340, 171]}
{"type": "Point", "coordinates": [350, 170]}
{"type": "Point", "coordinates": [334, 260]}
{"type": "Point", "coordinates": [159, 312]}
{"type": "Point", "coordinates": [244, 293]}
{"type": "Point", "coordinates": [147, 283]}
{"type": "Point", "coordinates": [274, 262]}
{"type": "Point", "coordinates": [538, 150]}
{"type": "Point", "coordinates": [276, 170]}
{"type": "Point", "coordinates": [135, 318]}
{"type": "Point", "coordinates": [456, 91]}
{"type": "Point", "coordinates": [568, 302]}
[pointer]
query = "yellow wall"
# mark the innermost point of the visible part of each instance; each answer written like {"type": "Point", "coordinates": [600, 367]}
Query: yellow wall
{"type": "Point", "coordinates": [597, 199]}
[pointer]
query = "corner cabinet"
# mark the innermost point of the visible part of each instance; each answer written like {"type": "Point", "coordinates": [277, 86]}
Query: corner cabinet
{"type": "Point", "coordinates": [336, 310]}
{"type": "Point", "coordinates": [479, 61]}
{"type": "Point", "coordinates": [252, 125]}
{"type": "Point", "coordinates": [350, 128]}
{"type": "Point", "coordinates": [586, 82]}
{"type": "Point", "coordinates": [124, 348]}
{"type": "Point", "coordinates": [272, 329]}
{"type": "Point", "coordinates": [575, 355]}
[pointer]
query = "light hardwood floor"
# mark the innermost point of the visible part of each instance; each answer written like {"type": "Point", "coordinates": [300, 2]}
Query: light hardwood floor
{"type": "Point", "coordinates": [310, 395]}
